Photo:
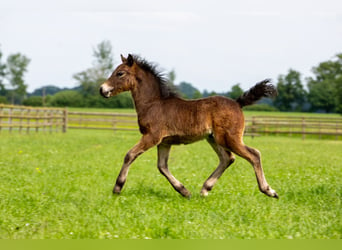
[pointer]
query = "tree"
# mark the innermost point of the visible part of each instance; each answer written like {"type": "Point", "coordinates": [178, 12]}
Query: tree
{"type": "Point", "coordinates": [66, 98]}
{"type": "Point", "coordinates": [188, 91]}
{"type": "Point", "coordinates": [171, 76]}
{"type": "Point", "coordinates": [235, 91]}
{"type": "Point", "coordinates": [46, 90]}
{"type": "Point", "coordinates": [34, 101]}
{"type": "Point", "coordinates": [16, 68]}
{"type": "Point", "coordinates": [2, 75]}
{"type": "Point", "coordinates": [325, 89]}
{"type": "Point", "coordinates": [90, 79]}
{"type": "Point", "coordinates": [291, 94]}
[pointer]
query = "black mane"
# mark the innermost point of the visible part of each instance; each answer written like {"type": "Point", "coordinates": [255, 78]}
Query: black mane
{"type": "Point", "coordinates": [166, 89]}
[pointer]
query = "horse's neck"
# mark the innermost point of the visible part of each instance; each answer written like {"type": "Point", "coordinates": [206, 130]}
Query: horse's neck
{"type": "Point", "coordinates": [144, 95]}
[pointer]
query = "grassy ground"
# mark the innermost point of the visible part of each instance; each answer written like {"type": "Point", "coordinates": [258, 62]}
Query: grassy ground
{"type": "Point", "coordinates": [59, 186]}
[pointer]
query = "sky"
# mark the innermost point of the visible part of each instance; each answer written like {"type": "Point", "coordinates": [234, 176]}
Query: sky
{"type": "Point", "coordinates": [210, 44]}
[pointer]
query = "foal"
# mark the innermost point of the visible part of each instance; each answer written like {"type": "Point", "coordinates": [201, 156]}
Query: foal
{"type": "Point", "coordinates": [166, 119]}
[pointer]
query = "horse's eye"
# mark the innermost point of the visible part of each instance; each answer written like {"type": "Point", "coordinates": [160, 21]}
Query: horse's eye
{"type": "Point", "coordinates": [120, 73]}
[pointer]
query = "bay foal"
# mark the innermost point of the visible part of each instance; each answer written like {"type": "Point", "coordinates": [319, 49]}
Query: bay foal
{"type": "Point", "coordinates": [166, 119]}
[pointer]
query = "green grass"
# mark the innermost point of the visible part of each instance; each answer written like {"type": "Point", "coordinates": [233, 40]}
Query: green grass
{"type": "Point", "coordinates": [59, 186]}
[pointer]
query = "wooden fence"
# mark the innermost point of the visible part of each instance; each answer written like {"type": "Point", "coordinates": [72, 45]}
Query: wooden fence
{"type": "Point", "coordinates": [21, 118]}
{"type": "Point", "coordinates": [97, 120]}
{"type": "Point", "coordinates": [295, 125]}
{"type": "Point", "coordinates": [256, 125]}
{"type": "Point", "coordinates": [45, 119]}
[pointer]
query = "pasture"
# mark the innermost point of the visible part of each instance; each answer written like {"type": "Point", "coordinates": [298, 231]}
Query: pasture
{"type": "Point", "coordinates": [59, 187]}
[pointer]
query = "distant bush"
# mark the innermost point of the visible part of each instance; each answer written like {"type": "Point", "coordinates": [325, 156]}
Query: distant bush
{"type": "Point", "coordinates": [261, 107]}
{"type": "Point", "coordinates": [67, 98]}
{"type": "Point", "coordinates": [123, 100]}
{"type": "Point", "coordinates": [73, 98]}
{"type": "Point", "coordinates": [34, 101]}
{"type": "Point", "coordinates": [3, 100]}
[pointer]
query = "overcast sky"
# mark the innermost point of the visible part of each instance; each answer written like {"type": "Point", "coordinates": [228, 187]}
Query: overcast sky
{"type": "Point", "coordinates": [211, 44]}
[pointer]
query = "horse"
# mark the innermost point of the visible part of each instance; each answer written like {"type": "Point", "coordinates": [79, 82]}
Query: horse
{"type": "Point", "coordinates": [166, 119]}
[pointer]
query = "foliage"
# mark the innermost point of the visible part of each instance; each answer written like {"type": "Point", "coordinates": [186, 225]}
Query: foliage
{"type": "Point", "coordinates": [261, 107]}
{"type": "Point", "coordinates": [123, 100]}
{"type": "Point", "coordinates": [171, 76]}
{"type": "Point", "coordinates": [188, 91]}
{"type": "Point", "coordinates": [90, 79]}
{"type": "Point", "coordinates": [16, 68]}
{"type": "Point", "coordinates": [291, 94]}
{"type": "Point", "coordinates": [66, 98]}
{"type": "Point", "coordinates": [325, 89]}
{"type": "Point", "coordinates": [2, 75]}
{"type": "Point", "coordinates": [206, 93]}
{"type": "Point", "coordinates": [12, 74]}
{"type": "Point", "coordinates": [3, 100]}
{"type": "Point", "coordinates": [33, 101]}
{"type": "Point", "coordinates": [235, 92]}
{"type": "Point", "coordinates": [49, 90]}
{"type": "Point", "coordinates": [59, 187]}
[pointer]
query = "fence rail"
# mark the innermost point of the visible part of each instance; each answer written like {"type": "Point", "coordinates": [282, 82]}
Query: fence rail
{"type": "Point", "coordinates": [22, 118]}
{"type": "Point", "coordinates": [291, 125]}
{"type": "Point", "coordinates": [97, 120]}
{"type": "Point", "coordinates": [255, 125]}
{"type": "Point", "coordinates": [45, 119]}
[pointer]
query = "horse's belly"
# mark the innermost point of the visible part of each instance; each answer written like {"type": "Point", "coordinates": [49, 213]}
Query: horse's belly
{"type": "Point", "coordinates": [183, 139]}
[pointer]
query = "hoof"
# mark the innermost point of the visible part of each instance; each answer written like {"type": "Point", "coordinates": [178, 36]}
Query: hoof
{"type": "Point", "coordinates": [275, 195]}
{"type": "Point", "coordinates": [186, 194]}
{"type": "Point", "coordinates": [271, 193]}
{"type": "Point", "coordinates": [204, 192]}
{"type": "Point", "coordinates": [188, 197]}
{"type": "Point", "coordinates": [117, 190]}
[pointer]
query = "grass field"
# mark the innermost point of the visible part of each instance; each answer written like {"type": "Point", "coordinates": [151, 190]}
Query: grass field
{"type": "Point", "coordinates": [59, 186]}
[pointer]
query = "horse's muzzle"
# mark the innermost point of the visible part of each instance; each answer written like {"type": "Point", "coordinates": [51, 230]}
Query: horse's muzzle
{"type": "Point", "coordinates": [105, 90]}
{"type": "Point", "coordinates": [105, 94]}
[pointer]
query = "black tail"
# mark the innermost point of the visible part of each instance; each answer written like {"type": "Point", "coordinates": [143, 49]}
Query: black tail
{"type": "Point", "coordinates": [254, 94]}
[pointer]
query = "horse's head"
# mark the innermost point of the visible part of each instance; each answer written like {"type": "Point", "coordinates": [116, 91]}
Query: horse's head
{"type": "Point", "coordinates": [122, 79]}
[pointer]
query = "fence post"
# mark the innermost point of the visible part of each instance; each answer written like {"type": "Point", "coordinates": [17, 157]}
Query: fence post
{"type": "Point", "coordinates": [10, 119]}
{"type": "Point", "coordinates": [303, 128]}
{"type": "Point", "coordinates": [50, 121]}
{"type": "Point", "coordinates": [37, 120]}
{"type": "Point", "coordinates": [45, 120]}
{"type": "Point", "coordinates": [65, 120]}
{"type": "Point", "coordinates": [253, 126]}
{"type": "Point", "coordinates": [28, 121]}
{"type": "Point", "coordinates": [114, 123]}
{"type": "Point", "coordinates": [1, 107]}
{"type": "Point", "coordinates": [21, 120]}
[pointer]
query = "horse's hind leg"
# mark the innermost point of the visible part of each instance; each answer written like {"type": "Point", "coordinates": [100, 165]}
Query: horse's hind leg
{"type": "Point", "coordinates": [253, 156]}
{"type": "Point", "coordinates": [163, 155]}
{"type": "Point", "coordinates": [226, 159]}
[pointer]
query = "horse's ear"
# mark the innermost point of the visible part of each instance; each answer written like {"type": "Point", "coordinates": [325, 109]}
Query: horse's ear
{"type": "Point", "coordinates": [130, 60]}
{"type": "Point", "coordinates": [123, 59]}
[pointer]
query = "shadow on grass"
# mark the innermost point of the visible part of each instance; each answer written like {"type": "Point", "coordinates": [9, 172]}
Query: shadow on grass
{"type": "Point", "coordinates": [148, 192]}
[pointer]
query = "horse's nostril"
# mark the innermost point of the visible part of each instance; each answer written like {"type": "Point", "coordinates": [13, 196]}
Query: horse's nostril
{"type": "Point", "coordinates": [103, 93]}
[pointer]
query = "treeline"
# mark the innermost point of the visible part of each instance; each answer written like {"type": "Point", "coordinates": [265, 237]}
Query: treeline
{"type": "Point", "coordinates": [323, 91]}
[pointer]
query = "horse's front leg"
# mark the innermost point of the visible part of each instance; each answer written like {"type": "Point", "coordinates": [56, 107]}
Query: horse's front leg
{"type": "Point", "coordinates": [144, 144]}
